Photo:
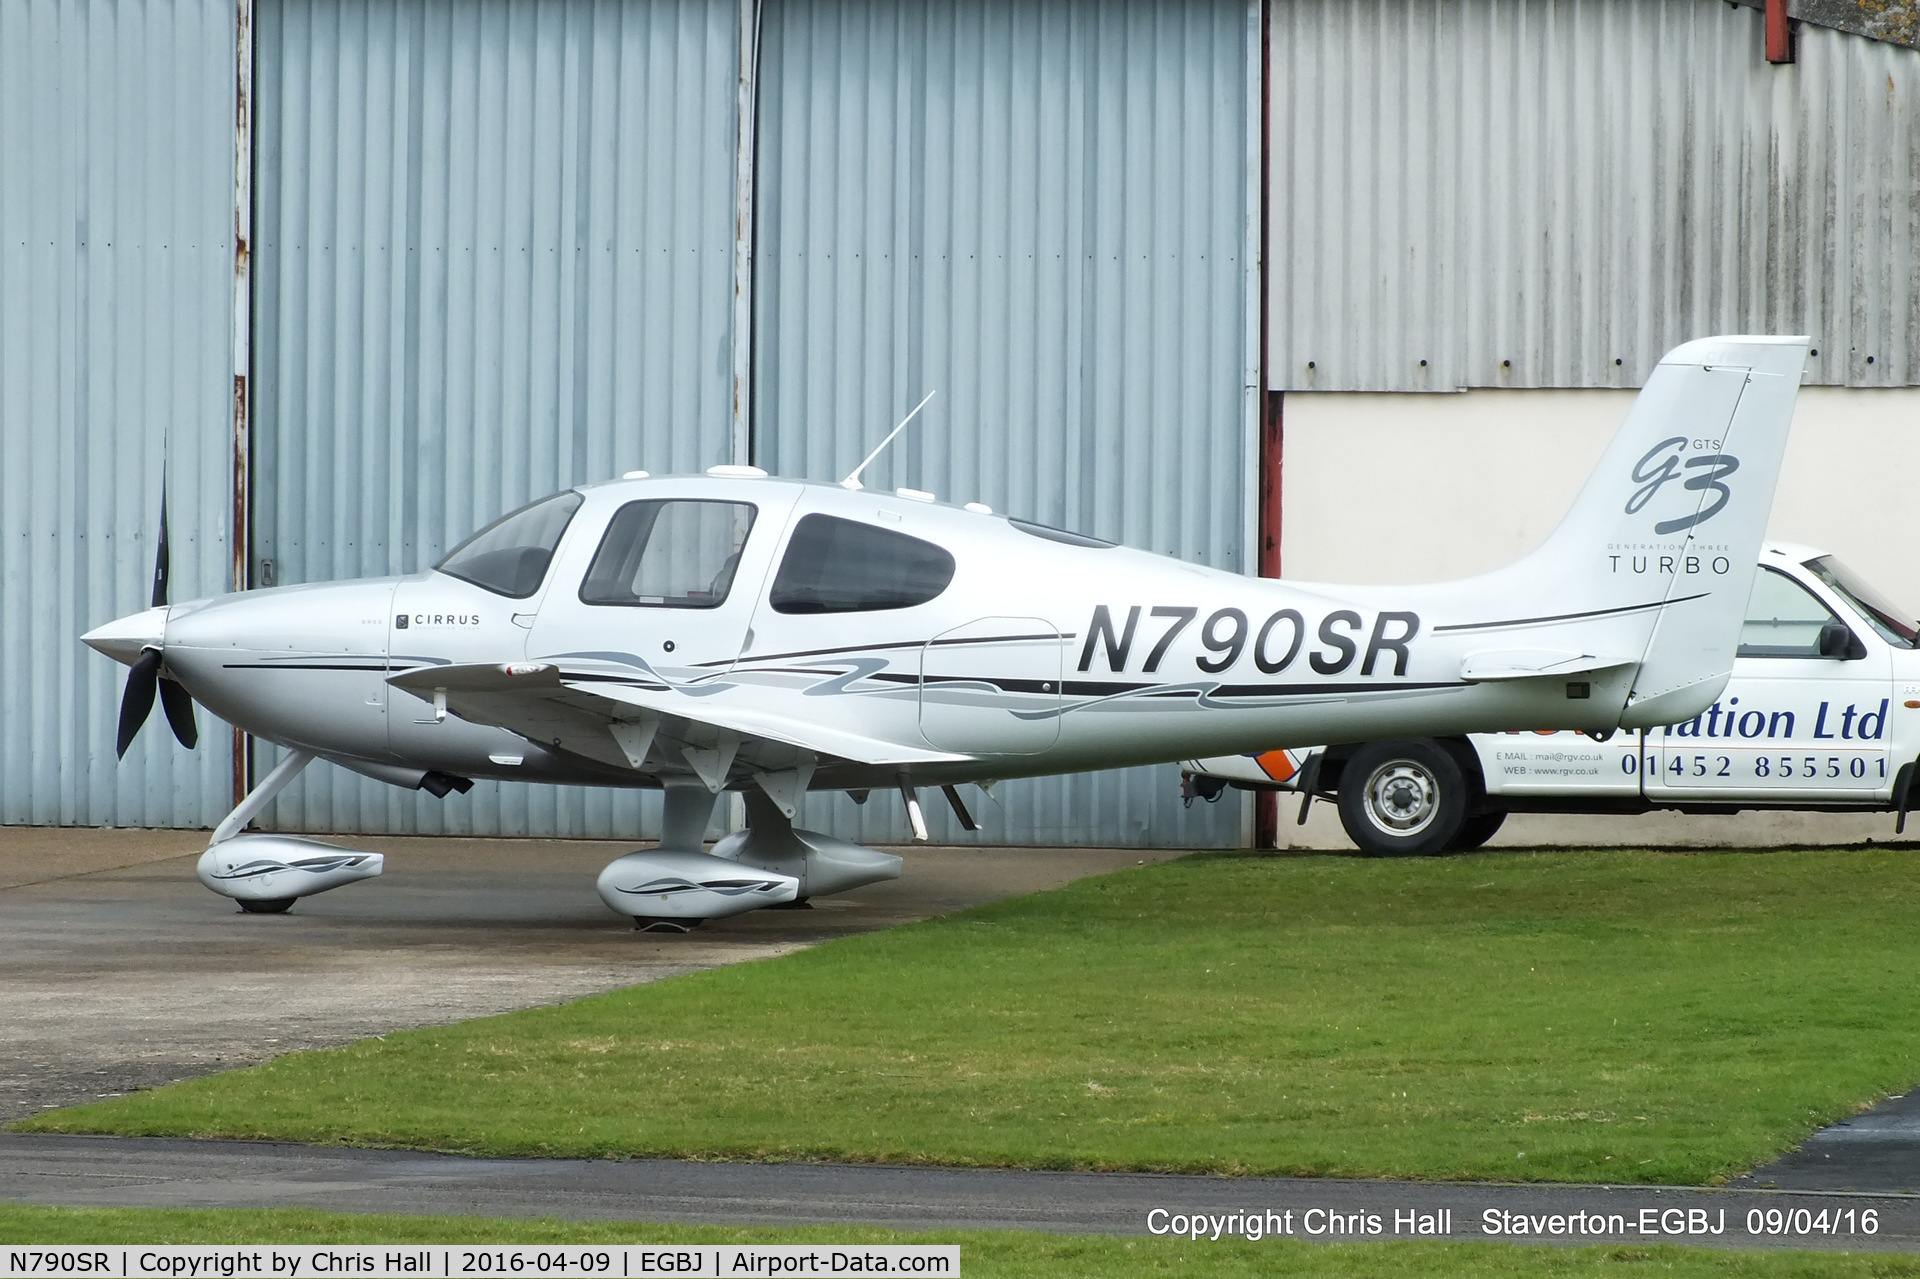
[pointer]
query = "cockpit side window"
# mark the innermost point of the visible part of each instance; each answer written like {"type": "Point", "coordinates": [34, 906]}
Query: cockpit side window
{"type": "Point", "coordinates": [843, 566]}
{"type": "Point", "coordinates": [1783, 618]}
{"type": "Point", "coordinates": [510, 556]}
{"type": "Point", "coordinates": [669, 554]}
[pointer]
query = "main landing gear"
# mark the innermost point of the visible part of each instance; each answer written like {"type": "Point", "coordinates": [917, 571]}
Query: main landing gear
{"type": "Point", "coordinates": [678, 886]}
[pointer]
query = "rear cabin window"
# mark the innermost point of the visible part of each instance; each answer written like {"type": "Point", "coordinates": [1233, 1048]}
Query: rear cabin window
{"type": "Point", "coordinates": [843, 566]}
{"type": "Point", "coordinates": [510, 556]}
{"type": "Point", "coordinates": [1783, 619]}
{"type": "Point", "coordinates": [668, 554]}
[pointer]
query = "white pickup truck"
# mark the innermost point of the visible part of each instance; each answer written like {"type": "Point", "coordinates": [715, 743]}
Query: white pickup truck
{"type": "Point", "coordinates": [1822, 712]}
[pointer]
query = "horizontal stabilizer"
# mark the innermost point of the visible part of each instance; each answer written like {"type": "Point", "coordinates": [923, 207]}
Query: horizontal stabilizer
{"type": "Point", "coordinates": [1479, 668]}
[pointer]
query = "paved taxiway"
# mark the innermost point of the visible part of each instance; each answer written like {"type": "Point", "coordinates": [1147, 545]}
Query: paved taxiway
{"type": "Point", "coordinates": [119, 971]}
{"type": "Point", "coordinates": [139, 1172]}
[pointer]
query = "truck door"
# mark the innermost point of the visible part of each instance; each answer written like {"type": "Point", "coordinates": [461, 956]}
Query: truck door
{"type": "Point", "coordinates": [1562, 763]}
{"type": "Point", "coordinates": [1803, 718]}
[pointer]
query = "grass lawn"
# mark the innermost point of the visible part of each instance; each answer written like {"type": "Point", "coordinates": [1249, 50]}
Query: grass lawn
{"type": "Point", "coordinates": [1599, 1017]}
{"type": "Point", "coordinates": [983, 1253]}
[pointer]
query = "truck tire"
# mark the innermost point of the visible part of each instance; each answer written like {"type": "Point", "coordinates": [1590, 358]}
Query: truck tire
{"type": "Point", "coordinates": [1403, 799]}
{"type": "Point", "coordinates": [1477, 829]}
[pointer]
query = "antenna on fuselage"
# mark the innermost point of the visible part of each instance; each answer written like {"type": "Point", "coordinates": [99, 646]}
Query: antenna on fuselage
{"type": "Point", "coordinates": [853, 481]}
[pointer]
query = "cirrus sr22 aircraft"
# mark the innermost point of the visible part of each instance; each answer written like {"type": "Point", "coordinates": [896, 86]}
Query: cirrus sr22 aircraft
{"type": "Point", "coordinates": [732, 631]}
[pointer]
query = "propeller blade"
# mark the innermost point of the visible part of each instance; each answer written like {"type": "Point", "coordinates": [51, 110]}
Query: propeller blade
{"type": "Point", "coordinates": [137, 702]}
{"type": "Point", "coordinates": [178, 704]}
{"type": "Point", "coordinates": [162, 559]}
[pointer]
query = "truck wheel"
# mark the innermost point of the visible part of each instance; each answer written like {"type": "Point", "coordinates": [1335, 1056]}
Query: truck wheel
{"type": "Point", "coordinates": [1402, 799]}
{"type": "Point", "coordinates": [1477, 829]}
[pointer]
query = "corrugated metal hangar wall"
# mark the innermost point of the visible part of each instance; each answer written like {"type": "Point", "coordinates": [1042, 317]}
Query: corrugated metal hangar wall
{"type": "Point", "coordinates": [116, 356]}
{"type": "Point", "coordinates": [495, 258]}
{"type": "Point", "coordinates": [1524, 193]}
{"type": "Point", "coordinates": [1039, 211]}
{"type": "Point", "coordinates": [494, 254]}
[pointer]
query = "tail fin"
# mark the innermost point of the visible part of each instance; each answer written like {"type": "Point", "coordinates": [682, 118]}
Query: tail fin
{"type": "Point", "coordinates": [1672, 519]}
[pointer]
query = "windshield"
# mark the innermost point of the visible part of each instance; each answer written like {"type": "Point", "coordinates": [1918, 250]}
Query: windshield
{"type": "Point", "coordinates": [1881, 614]}
{"type": "Point", "coordinates": [510, 556]}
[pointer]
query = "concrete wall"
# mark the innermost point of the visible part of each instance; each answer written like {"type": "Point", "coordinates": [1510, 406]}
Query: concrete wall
{"type": "Point", "coordinates": [1421, 488]}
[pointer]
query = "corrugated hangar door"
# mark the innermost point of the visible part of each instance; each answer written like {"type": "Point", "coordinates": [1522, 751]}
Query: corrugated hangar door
{"type": "Point", "coordinates": [116, 358]}
{"type": "Point", "coordinates": [1038, 210]}
{"type": "Point", "coordinates": [494, 257]}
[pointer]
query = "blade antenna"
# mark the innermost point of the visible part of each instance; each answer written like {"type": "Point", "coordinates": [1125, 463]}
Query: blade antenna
{"type": "Point", "coordinates": [853, 480]}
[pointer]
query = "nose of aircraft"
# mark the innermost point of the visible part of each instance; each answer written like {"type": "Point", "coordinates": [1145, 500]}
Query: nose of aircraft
{"type": "Point", "coordinates": [124, 638]}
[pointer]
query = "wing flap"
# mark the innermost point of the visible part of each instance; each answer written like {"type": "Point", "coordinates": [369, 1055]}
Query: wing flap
{"type": "Point", "coordinates": [752, 722]}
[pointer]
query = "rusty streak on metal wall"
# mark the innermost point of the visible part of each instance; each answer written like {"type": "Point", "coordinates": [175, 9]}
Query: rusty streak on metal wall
{"type": "Point", "coordinates": [1552, 193]}
{"type": "Point", "coordinates": [242, 543]}
{"type": "Point", "coordinates": [1895, 21]}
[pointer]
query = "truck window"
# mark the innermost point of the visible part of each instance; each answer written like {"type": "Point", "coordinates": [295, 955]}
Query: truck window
{"type": "Point", "coordinates": [1883, 616]}
{"type": "Point", "coordinates": [1783, 618]}
{"type": "Point", "coordinates": [668, 554]}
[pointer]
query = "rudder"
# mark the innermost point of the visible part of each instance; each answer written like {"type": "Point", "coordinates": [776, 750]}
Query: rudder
{"type": "Point", "coordinates": [1673, 517]}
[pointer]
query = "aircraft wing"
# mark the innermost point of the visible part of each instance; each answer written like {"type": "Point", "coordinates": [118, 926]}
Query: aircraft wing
{"type": "Point", "coordinates": [620, 721]}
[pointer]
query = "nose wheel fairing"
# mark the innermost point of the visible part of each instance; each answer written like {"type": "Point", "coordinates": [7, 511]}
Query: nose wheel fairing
{"type": "Point", "coordinates": [267, 873]}
{"type": "Point", "coordinates": [260, 869]}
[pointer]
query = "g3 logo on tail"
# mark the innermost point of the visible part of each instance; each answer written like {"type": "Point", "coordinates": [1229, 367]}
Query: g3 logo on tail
{"type": "Point", "coordinates": [1654, 470]}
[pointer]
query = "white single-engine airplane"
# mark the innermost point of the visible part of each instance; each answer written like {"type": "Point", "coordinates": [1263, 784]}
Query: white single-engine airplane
{"type": "Point", "coordinates": [732, 631]}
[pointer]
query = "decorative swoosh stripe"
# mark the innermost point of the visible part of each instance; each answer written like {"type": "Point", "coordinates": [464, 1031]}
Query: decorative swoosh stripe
{"type": "Point", "coordinates": [1114, 688]}
{"type": "Point", "coordinates": [1568, 617]}
{"type": "Point", "coordinates": [1062, 637]}
{"type": "Point", "coordinates": [725, 887]}
{"type": "Point", "coordinates": [315, 865]}
{"type": "Point", "coordinates": [1343, 690]}
{"type": "Point", "coordinates": [625, 681]}
{"type": "Point", "coordinates": [305, 666]}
